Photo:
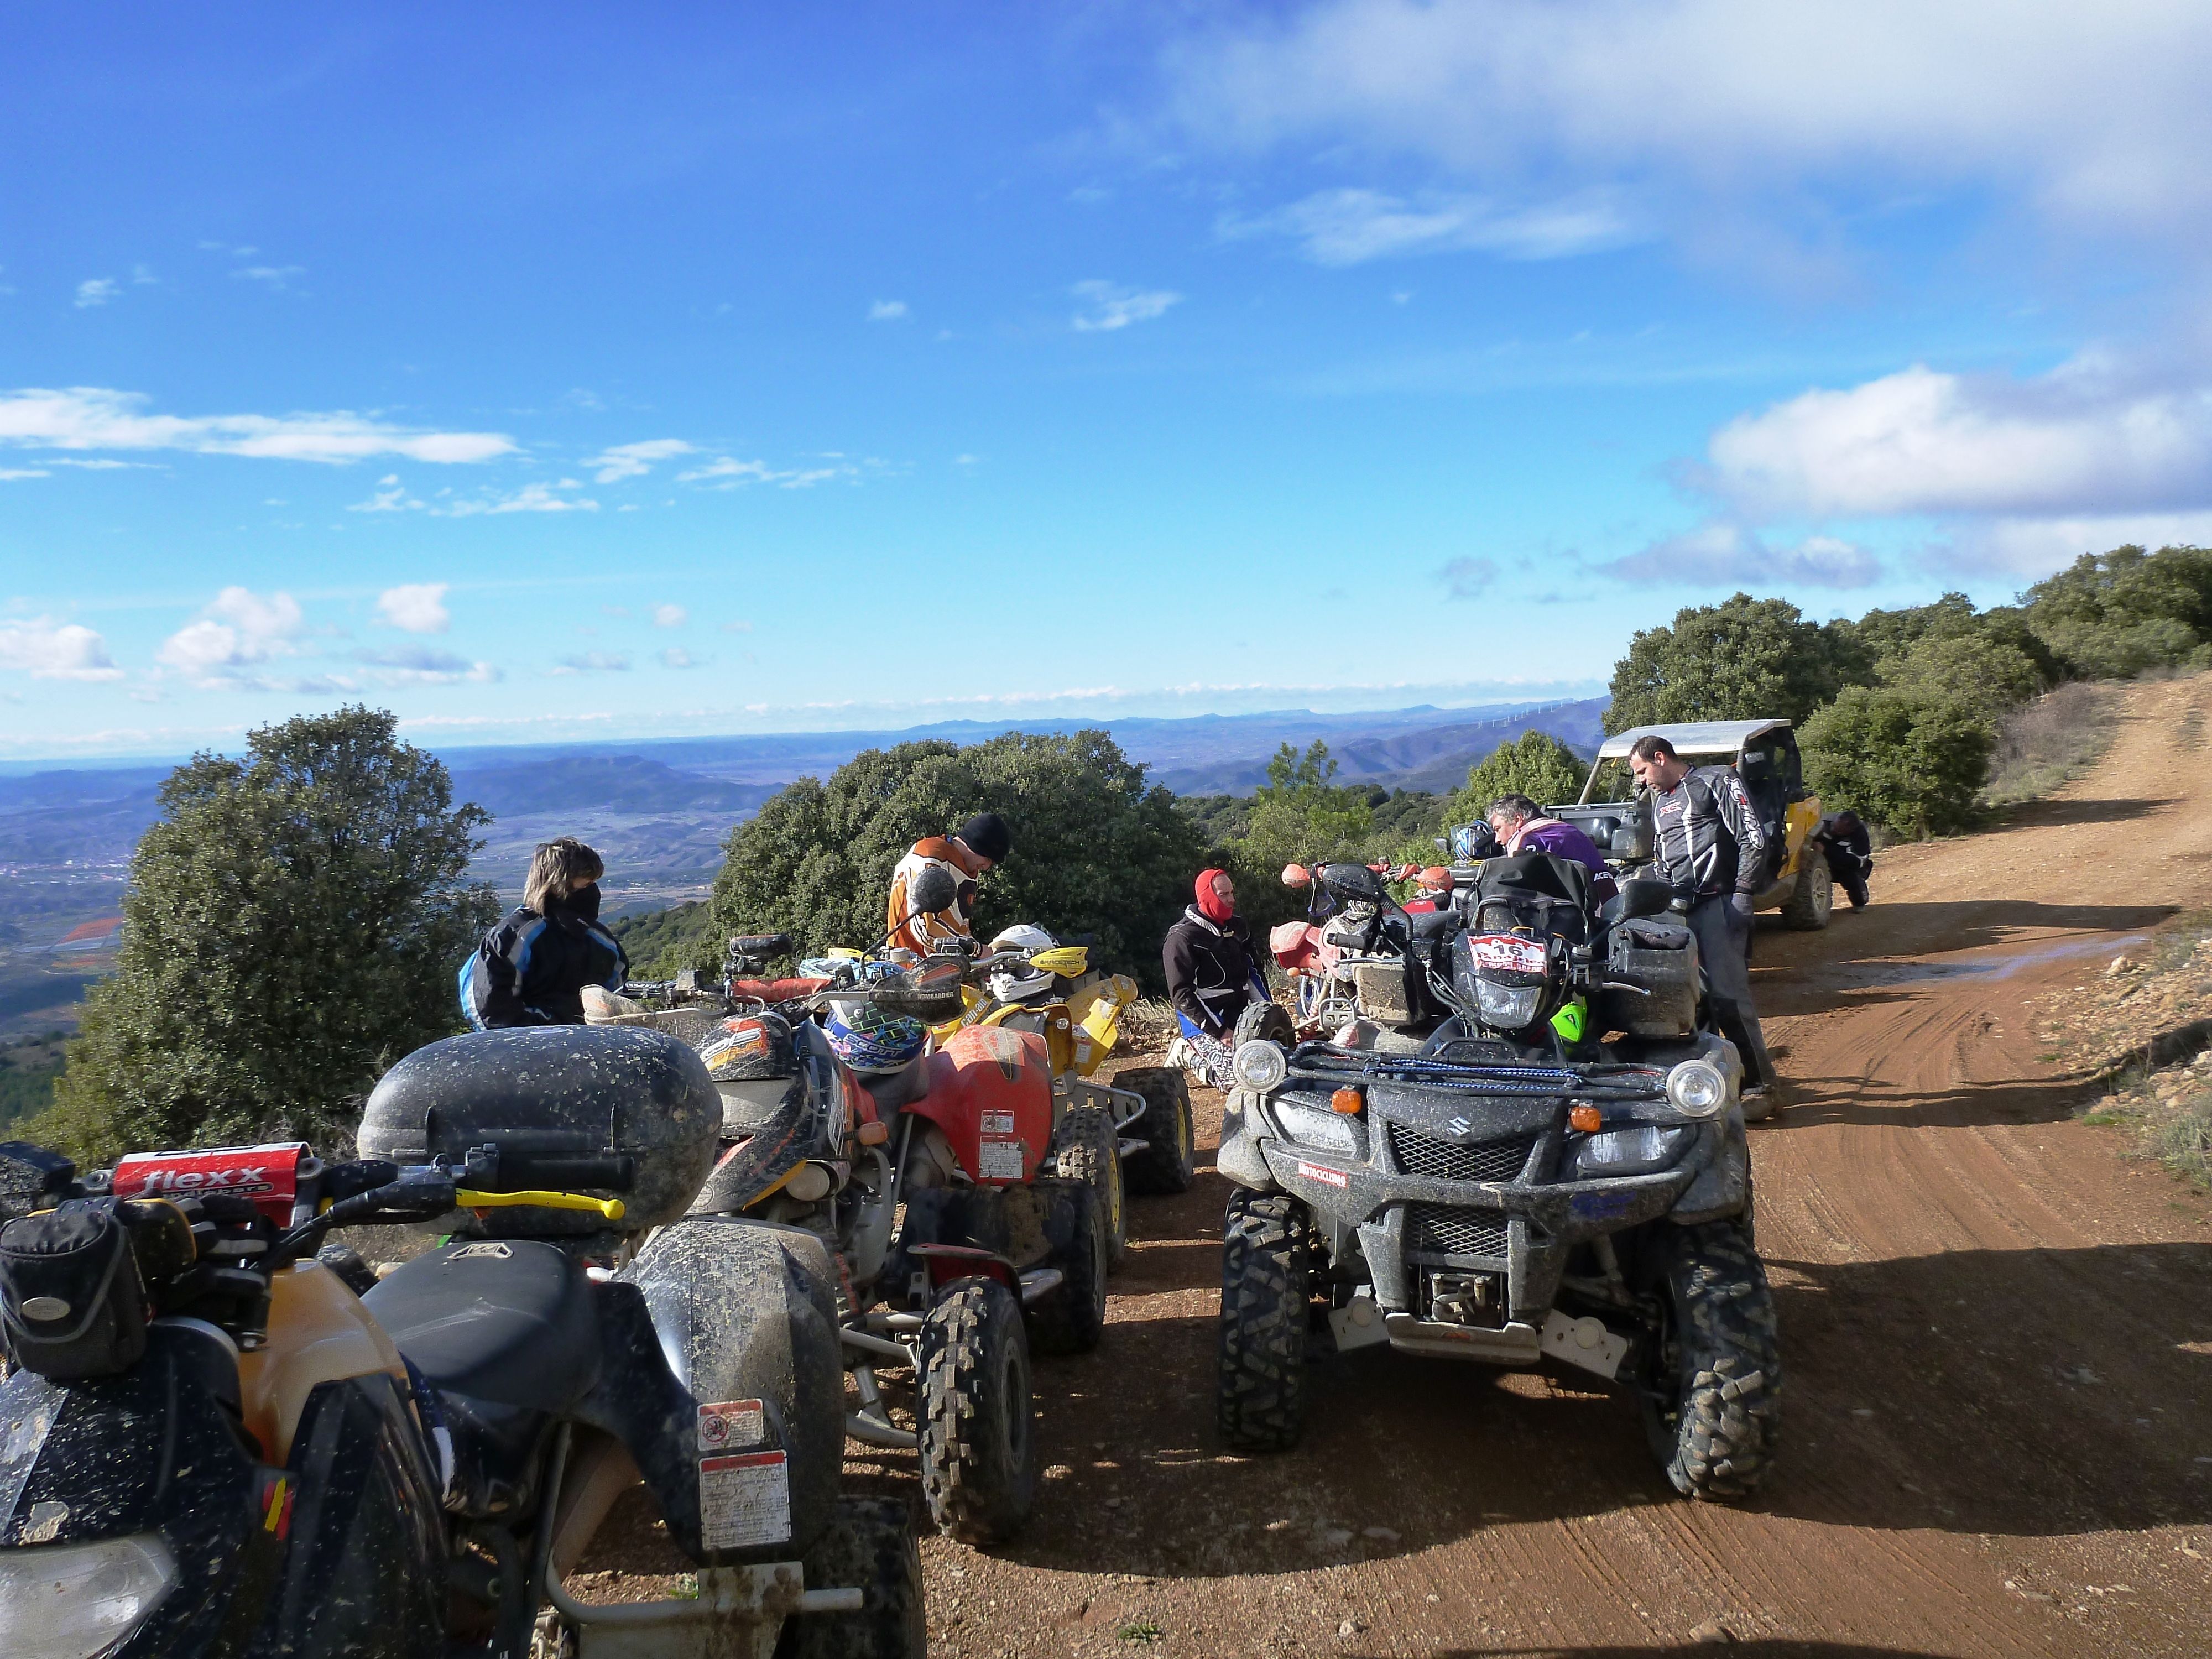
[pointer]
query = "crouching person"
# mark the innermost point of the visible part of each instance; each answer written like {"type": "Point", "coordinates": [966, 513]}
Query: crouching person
{"type": "Point", "coordinates": [1212, 975]}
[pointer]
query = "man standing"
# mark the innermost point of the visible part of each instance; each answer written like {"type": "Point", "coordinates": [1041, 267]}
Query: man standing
{"type": "Point", "coordinates": [1520, 827]}
{"type": "Point", "coordinates": [1709, 843]}
{"type": "Point", "coordinates": [984, 841]}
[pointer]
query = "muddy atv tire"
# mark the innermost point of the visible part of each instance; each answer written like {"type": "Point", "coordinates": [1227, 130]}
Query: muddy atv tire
{"type": "Point", "coordinates": [1267, 1022]}
{"type": "Point", "coordinates": [978, 1453]}
{"type": "Point", "coordinates": [1813, 898]}
{"type": "Point", "coordinates": [1169, 1162]}
{"type": "Point", "coordinates": [1260, 1402]}
{"type": "Point", "coordinates": [871, 1546]}
{"type": "Point", "coordinates": [1712, 1394]}
{"type": "Point", "coordinates": [1072, 1318]}
{"type": "Point", "coordinates": [1087, 1149]}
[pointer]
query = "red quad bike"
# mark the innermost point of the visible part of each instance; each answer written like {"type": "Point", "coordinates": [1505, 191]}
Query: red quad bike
{"type": "Point", "coordinates": [957, 1254]}
{"type": "Point", "coordinates": [1339, 970]}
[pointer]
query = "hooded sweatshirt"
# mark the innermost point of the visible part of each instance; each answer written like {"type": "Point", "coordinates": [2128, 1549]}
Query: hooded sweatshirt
{"type": "Point", "coordinates": [1209, 962]}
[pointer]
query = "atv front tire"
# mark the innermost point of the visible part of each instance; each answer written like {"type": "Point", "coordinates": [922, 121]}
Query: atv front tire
{"type": "Point", "coordinates": [1072, 1318]}
{"type": "Point", "coordinates": [1090, 1151]}
{"type": "Point", "coordinates": [978, 1455]}
{"type": "Point", "coordinates": [1169, 1160]}
{"type": "Point", "coordinates": [1712, 1395]}
{"type": "Point", "coordinates": [871, 1546]}
{"type": "Point", "coordinates": [1259, 1400]}
{"type": "Point", "coordinates": [1812, 900]}
{"type": "Point", "coordinates": [1267, 1022]}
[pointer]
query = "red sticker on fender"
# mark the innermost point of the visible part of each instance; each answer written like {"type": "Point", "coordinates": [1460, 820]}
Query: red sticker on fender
{"type": "Point", "coordinates": [1326, 1175]}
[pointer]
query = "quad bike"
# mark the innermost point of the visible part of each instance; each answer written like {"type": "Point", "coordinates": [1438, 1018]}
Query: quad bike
{"type": "Point", "coordinates": [219, 1442]}
{"type": "Point", "coordinates": [1132, 1135]}
{"type": "Point", "coordinates": [930, 1184]}
{"type": "Point", "coordinates": [1557, 1174]}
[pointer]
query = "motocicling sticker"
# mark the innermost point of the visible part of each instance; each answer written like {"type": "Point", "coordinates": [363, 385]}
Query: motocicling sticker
{"type": "Point", "coordinates": [1323, 1174]}
{"type": "Point", "coordinates": [745, 1500]}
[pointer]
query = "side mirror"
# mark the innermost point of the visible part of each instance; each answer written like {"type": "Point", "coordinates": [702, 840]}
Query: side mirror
{"type": "Point", "coordinates": [933, 889]}
{"type": "Point", "coordinates": [1353, 882]}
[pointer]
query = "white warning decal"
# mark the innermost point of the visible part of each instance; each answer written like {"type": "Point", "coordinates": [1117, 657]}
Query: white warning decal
{"type": "Point", "coordinates": [745, 1500]}
{"type": "Point", "coordinates": [999, 1160]}
{"type": "Point", "coordinates": [730, 1426]}
{"type": "Point", "coordinates": [998, 1123]}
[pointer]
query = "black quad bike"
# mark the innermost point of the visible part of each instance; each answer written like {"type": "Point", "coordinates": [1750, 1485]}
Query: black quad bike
{"type": "Point", "coordinates": [1556, 1173]}
{"type": "Point", "coordinates": [217, 1440]}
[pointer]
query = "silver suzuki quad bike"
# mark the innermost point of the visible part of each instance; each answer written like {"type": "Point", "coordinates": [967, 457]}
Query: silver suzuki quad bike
{"type": "Point", "coordinates": [1555, 1174]}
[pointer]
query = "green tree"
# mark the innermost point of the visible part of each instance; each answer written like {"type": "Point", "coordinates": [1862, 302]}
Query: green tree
{"type": "Point", "coordinates": [1989, 676]}
{"type": "Point", "coordinates": [295, 922]}
{"type": "Point", "coordinates": [1095, 849]}
{"type": "Point", "coordinates": [2111, 616]}
{"type": "Point", "coordinates": [1537, 765]}
{"type": "Point", "coordinates": [1744, 658]}
{"type": "Point", "coordinates": [1910, 756]}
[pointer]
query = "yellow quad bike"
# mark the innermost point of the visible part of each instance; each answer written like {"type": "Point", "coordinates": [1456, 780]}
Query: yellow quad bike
{"type": "Point", "coordinates": [1764, 754]}
{"type": "Point", "coordinates": [1131, 1135]}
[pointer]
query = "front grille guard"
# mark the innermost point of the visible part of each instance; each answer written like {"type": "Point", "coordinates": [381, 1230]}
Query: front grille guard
{"type": "Point", "coordinates": [1330, 1067]}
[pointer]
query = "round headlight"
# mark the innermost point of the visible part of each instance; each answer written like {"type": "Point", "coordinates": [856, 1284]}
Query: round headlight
{"type": "Point", "coordinates": [1696, 1089]}
{"type": "Point", "coordinates": [1258, 1065]}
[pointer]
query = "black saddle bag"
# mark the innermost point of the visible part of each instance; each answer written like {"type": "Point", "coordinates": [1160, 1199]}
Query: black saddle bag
{"type": "Point", "coordinates": [71, 1299]}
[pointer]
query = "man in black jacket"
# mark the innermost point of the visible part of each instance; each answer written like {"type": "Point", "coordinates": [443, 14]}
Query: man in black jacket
{"type": "Point", "coordinates": [1208, 958]}
{"type": "Point", "coordinates": [1709, 843]}
{"type": "Point", "coordinates": [533, 965]}
{"type": "Point", "coordinates": [1850, 852]}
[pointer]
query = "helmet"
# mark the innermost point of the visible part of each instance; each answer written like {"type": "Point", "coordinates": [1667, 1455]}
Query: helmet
{"type": "Point", "coordinates": [1472, 841]}
{"type": "Point", "coordinates": [1435, 878]}
{"type": "Point", "coordinates": [1017, 981]}
{"type": "Point", "coordinates": [870, 1038]}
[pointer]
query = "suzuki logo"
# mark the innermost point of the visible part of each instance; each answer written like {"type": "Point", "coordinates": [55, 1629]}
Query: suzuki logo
{"type": "Point", "coordinates": [1459, 1126]}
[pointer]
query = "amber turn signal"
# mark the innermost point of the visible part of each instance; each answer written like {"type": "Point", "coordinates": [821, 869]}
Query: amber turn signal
{"type": "Point", "coordinates": [1346, 1101]}
{"type": "Point", "coordinates": [872, 1133]}
{"type": "Point", "coordinates": [1585, 1120]}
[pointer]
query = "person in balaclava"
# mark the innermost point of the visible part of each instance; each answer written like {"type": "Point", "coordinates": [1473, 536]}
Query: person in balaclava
{"type": "Point", "coordinates": [533, 966]}
{"type": "Point", "coordinates": [1209, 962]}
{"type": "Point", "coordinates": [984, 841]}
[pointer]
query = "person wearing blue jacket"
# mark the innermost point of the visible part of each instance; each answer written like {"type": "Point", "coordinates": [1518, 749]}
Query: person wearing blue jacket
{"type": "Point", "coordinates": [533, 965]}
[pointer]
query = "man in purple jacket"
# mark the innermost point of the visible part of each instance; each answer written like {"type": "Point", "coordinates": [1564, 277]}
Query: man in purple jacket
{"type": "Point", "coordinates": [1522, 827]}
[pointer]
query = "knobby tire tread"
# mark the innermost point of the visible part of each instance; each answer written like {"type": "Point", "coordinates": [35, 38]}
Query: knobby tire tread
{"type": "Point", "coordinates": [1168, 1164]}
{"type": "Point", "coordinates": [978, 1473]}
{"type": "Point", "coordinates": [1261, 1400]}
{"type": "Point", "coordinates": [1730, 1375]}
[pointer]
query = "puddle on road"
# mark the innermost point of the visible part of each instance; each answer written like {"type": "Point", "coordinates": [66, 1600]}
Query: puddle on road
{"type": "Point", "coordinates": [2000, 964]}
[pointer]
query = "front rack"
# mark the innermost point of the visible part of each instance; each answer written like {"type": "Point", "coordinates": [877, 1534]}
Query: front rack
{"type": "Point", "coordinates": [1325, 1063]}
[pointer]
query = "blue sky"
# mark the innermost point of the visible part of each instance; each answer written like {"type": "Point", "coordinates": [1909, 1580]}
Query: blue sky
{"type": "Point", "coordinates": [567, 373]}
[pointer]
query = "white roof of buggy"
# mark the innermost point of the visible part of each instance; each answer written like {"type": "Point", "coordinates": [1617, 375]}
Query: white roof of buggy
{"type": "Point", "coordinates": [1693, 736]}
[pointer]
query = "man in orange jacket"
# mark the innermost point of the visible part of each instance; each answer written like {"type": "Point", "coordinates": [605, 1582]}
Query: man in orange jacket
{"type": "Point", "coordinates": [984, 841]}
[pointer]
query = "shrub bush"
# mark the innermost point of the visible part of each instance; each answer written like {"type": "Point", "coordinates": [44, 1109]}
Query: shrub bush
{"type": "Point", "coordinates": [1907, 757]}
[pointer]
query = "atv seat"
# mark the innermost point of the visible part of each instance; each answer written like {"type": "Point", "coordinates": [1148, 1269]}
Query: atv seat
{"type": "Point", "coordinates": [892, 1091]}
{"type": "Point", "coordinates": [507, 1321]}
{"type": "Point", "coordinates": [1540, 891]}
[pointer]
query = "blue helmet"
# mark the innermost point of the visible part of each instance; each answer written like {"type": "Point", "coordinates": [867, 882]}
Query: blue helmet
{"type": "Point", "coordinates": [1471, 842]}
{"type": "Point", "coordinates": [869, 1038]}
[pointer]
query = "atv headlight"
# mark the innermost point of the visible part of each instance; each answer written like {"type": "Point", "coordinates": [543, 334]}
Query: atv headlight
{"type": "Point", "coordinates": [1311, 1127]}
{"type": "Point", "coordinates": [77, 1601]}
{"type": "Point", "coordinates": [1637, 1151]}
{"type": "Point", "coordinates": [1507, 1007]}
{"type": "Point", "coordinates": [1258, 1065]}
{"type": "Point", "coordinates": [1695, 1088]}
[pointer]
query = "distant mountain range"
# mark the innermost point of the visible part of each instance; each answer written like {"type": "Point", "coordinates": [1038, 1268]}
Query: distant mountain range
{"type": "Point", "coordinates": [660, 811]}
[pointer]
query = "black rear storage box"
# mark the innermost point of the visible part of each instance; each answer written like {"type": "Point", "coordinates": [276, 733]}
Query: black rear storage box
{"type": "Point", "coordinates": [554, 1091]}
{"type": "Point", "coordinates": [1659, 955]}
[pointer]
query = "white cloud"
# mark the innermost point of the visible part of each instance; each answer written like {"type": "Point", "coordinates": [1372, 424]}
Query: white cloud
{"type": "Point", "coordinates": [7, 472]}
{"type": "Point", "coordinates": [2088, 438]}
{"type": "Point", "coordinates": [2094, 116]}
{"type": "Point", "coordinates": [419, 665]}
{"type": "Point", "coordinates": [1718, 554]}
{"type": "Point", "coordinates": [416, 607]}
{"type": "Point", "coordinates": [725, 473]}
{"type": "Point", "coordinates": [676, 656]}
{"type": "Point", "coordinates": [96, 417]}
{"type": "Point", "coordinates": [1111, 307]}
{"type": "Point", "coordinates": [635, 460]}
{"type": "Point", "coordinates": [96, 291]}
{"type": "Point", "coordinates": [530, 498]}
{"type": "Point", "coordinates": [737, 628]}
{"type": "Point", "coordinates": [275, 276]}
{"type": "Point", "coordinates": [2036, 547]}
{"type": "Point", "coordinates": [1468, 579]}
{"type": "Point", "coordinates": [50, 651]}
{"type": "Point", "coordinates": [239, 631]}
{"type": "Point", "coordinates": [886, 311]}
{"type": "Point", "coordinates": [670, 616]}
{"type": "Point", "coordinates": [1349, 227]}
{"type": "Point", "coordinates": [592, 662]}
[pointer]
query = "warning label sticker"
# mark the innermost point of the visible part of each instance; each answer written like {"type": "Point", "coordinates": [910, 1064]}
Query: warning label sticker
{"type": "Point", "coordinates": [745, 1500]}
{"type": "Point", "coordinates": [999, 1160]}
{"type": "Point", "coordinates": [1323, 1174]}
{"type": "Point", "coordinates": [998, 1123]}
{"type": "Point", "coordinates": [730, 1426]}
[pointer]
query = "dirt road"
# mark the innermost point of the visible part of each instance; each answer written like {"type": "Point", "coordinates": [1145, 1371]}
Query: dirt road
{"type": "Point", "coordinates": [1997, 1334]}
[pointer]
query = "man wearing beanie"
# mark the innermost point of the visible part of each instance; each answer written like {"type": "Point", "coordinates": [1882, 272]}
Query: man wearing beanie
{"type": "Point", "coordinates": [982, 841]}
{"type": "Point", "coordinates": [1208, 959]}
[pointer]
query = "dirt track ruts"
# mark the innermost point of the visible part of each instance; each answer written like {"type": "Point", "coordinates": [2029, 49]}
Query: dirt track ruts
{"type": "Point", "coordinates": [1996, 1329]}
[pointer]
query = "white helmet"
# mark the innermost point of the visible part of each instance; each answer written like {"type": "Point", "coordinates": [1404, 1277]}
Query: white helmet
{"type": "Point", "coordinates": [1017, 981]}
